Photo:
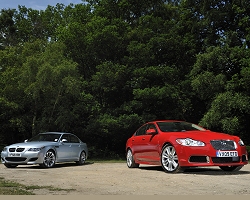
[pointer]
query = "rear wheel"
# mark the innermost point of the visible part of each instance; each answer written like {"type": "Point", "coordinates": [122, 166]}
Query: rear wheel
{"type": "Point", "coordinates": [169, 160]}
{"type": "Point", "coordinates": [82, 158]}
{"type": "Point", "coordinates": [49, 159]}
{"type": "Point", "coordinates": [231, 168]}
{"type": "Point", "coordinates": [10, 165]}
{"type": "Point", "coordinates": [130, 160]}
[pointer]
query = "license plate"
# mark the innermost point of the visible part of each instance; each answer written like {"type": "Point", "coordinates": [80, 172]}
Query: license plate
{"type": "Point", "coordinates": [14, 154]}
{"type": "Point", "coordinates": [227, 154]}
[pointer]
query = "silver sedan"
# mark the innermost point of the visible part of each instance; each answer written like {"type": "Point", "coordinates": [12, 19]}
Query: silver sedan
{"type": "Point", "coordinates": [46, 149]}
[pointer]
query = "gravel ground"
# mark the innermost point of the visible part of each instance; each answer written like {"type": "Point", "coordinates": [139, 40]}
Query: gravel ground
{"type": "Point", "coordinates": [118, 179]}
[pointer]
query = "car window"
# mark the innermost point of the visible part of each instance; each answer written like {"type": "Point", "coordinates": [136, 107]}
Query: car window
{"type": "Point", "coordinates": [141, 131]}
{"type": "Point", "coordinates": [151, 126]}
{"type": "Point", "coordinates": [74, 139]}
{"type": "Point", "coordinates": [45, 137]}
{"type": "Point", "coordinates": [178, 126]}
{"type": "Point", "coordinates": [170, 126]}
{"type": "Point", "coordinates": [66, 138]}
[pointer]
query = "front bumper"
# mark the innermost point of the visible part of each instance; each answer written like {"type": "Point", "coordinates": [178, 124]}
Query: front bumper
{"type": "Point", "coordinates": [26, 158]}
{"type": "Point", "coordinates": [207, 156]}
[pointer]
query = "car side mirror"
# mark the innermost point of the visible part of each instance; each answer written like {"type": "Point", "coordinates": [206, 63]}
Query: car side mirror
{"type": "Point", "coordinates": [151, 131]}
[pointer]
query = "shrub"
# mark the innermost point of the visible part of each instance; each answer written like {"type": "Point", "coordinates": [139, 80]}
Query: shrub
{"type": "Point", "coordinates": [248, 150]}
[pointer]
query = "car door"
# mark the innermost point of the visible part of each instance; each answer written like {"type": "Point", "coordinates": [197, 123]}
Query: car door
{"type": "Point", "coordinates": [75, 147]}
{"type": "Point", "coordinates": [151, 145]}
{"type": "Point", "coordinates": [138, 143]}
{"type": "Point", "coordinates": [64, 150]}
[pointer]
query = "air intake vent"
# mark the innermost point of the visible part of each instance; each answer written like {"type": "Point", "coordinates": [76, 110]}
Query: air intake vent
{"type": "Point", "coordinates": [224, 145]}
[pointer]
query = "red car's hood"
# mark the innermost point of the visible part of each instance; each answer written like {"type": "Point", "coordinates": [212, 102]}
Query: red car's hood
{"type": "Point", "coordinates": [206, 136]}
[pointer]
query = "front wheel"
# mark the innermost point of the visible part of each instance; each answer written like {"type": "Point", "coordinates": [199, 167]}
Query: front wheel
{"type": "Point", "coordinates": [130, 160]}
{"type": "Point", "coordinates": [231, 168]}
{"type": "Point", "coordinates": [82, 158]}
{"type": "Point", "coordinates": [49, 159]}
{"type": "Point", "coordinates": [169, 160]}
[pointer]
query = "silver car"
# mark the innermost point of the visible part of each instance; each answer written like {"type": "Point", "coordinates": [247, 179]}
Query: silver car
{"type": "Point", "coordinates": [46, 149]}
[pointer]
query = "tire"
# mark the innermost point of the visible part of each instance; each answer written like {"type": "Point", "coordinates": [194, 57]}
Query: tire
{"type": "Point", "coordinates": [49, 159]}
{"type": "Point", "coordinates": [231, 168]}
{"type": "Point", "coordinates": [130, 160]}
{"type": "Point", "coordinates": [82, 158]}
{"type": "Point", "coordinates": [169, 160]}
{"type": "Point", "coordinates": [10, 165]}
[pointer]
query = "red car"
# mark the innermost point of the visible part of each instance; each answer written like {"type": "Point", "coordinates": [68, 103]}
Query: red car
{"type": "Point", "coordinates": [177, 145]}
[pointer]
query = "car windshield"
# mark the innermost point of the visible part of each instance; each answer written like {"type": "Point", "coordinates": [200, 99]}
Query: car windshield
{"type": "Point", "coordinates": [46, 137]}
{"type": "Point", "coordinates": [178, 126]}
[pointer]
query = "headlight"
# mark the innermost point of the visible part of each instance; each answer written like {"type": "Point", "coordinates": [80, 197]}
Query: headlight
{"type": "Point", "coordinates": [190, 142]}
{"type": "Point", "coordinates": [241, 143]}
{"type": "Point", "coordinates": [36, 149]}
{"type": "Point", "coordinates": [4, 149]}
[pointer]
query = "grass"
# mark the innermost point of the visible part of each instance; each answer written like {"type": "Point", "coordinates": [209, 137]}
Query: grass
{"type": "Point", "coordinates": [13, 188]}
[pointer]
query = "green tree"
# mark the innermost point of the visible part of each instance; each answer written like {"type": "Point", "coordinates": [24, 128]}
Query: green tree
{"type": "Point", "coordinates": [221, 20]}
{"type": "Point", "coordinates": [8, 35]}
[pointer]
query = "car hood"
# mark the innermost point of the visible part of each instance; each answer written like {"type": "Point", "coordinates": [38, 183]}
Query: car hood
{"type": "Point", "coordinates": [32, 144]}
{"type": "Point", "coordinates": [206, 136]}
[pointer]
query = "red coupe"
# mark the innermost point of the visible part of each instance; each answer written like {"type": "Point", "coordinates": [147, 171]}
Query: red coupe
{"type": "Point", "coordinates": [177, 145]}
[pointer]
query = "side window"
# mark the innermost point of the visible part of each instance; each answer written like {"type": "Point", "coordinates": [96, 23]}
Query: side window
{"type": "Point", "coordinates": [152, 126]}
{"type": "Point", "coordinates": [66, 137]}
{"type": "Point", "coordinates": [141, 131]}
{"type": "Point", "coordinates": [74, 139]}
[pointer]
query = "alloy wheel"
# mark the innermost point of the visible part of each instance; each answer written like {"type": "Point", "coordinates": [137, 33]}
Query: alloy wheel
{"type": "Point", "coordinates": [49, 159]}
{"type": "Point", "coordinates": [169, 159]}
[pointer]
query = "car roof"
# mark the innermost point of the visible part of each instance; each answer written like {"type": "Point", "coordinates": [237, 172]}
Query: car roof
{"type": "Point", "coordinates": [54, 133]}
{"type": "Point", "coordinates": [167, 120]}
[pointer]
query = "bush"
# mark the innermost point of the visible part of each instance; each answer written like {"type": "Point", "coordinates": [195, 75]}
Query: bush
{"type": "Point", "coordinates": [248, 150]}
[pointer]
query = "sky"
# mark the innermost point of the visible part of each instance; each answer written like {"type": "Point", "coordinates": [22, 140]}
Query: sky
{"type": "Point", "coordinates": [34, 4]}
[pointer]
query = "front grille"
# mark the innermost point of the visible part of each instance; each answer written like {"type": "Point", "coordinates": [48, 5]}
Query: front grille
{"type": "Point", "coordinates": [224, 145]}
{"type": "Point", "coordinates": [200, 159]}
{"type": "Point", "coordinates": [15, 159]}
{"type": "Point", "coordinates": [12, 149]}
{"type": "Point", "coordinates": [225, 159]}
{"type": "Point", "coordinates": [16, 149]}
{"type": "Point", "coordinates": [20, 149]}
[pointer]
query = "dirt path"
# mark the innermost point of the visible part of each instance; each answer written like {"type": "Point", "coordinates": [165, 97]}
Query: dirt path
{"type": "Point", "coordinates": [118, 179]}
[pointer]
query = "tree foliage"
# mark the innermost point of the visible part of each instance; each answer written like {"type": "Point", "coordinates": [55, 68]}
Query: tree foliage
{"type": "Point", "coordinates": [101, 68]}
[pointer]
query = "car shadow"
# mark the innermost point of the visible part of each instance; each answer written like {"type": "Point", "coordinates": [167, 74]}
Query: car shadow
{"type": "Point", "coordinates": [153, 168]}
{"type": "Point", "coordinates": [57, 165]}
{"type": "Point", "coordinates": [70, 164]}
{"type": "Point", "coordinates": [214, 171]}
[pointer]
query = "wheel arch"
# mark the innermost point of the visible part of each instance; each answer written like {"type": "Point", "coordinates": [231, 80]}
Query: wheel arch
{"type": "Point", "coordinates": [83, 150]}
{"type": "Point", "coordinates": [129, 148]}
{"type": "Point", "coordinates": [166, 143]}
{"type": "Point", "coordinates": [52, 149]}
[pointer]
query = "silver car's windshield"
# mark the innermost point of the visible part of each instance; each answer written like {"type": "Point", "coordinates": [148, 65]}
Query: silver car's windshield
{"type": "Point", "coordinates": [46, 137]}
{"type": "Point", "coordinates": [178, 126]}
